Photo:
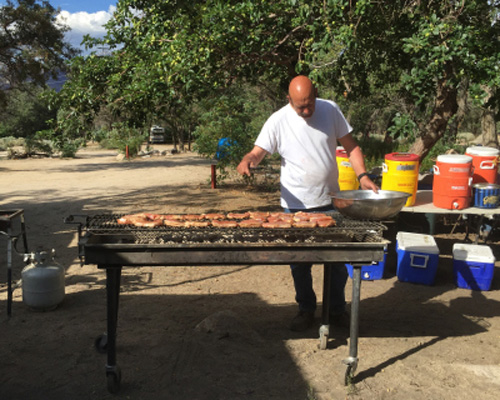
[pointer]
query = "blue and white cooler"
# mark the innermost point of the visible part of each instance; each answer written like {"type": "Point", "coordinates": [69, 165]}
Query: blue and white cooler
{"type": "Point", "coordinates": [370, 272]}
{"type": "Point", "coordinates": [418, 256]}
{"type": "Point", "coordinates": [473, 266]}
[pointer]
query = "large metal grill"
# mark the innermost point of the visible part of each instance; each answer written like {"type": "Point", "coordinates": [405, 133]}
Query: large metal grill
{"type": "Point", "coordinates": [111, 246]}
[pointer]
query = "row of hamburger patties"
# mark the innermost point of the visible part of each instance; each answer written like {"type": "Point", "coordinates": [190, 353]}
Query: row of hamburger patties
{"type": "Point", "coordinates": [250, 219]}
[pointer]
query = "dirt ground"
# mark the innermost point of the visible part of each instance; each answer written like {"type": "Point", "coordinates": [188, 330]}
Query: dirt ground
{"type": "Point", "coordinates": [416, 341]}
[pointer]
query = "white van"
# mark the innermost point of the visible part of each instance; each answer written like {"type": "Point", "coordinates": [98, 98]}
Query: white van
{"type": "Point", "coordinates": [157, 134]}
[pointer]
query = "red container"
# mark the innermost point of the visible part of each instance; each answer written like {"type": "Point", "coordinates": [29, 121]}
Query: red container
{"type": "Point", "coordinates": [451, 186]}
{"type": "Point", "coordinates": [485, 163]}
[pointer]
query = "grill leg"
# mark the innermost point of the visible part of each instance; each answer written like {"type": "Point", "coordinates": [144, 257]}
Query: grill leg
{"type": "Point", "coordinates": [113, 373]}
{"type": "Point", "coordinates": [352, 360]}
{"type": "Point", "coordinates": [9, 272]}
{"type": "Point", "coordinates": [327, 278]}
{"type": "Point", "coordinates": [324, 330]}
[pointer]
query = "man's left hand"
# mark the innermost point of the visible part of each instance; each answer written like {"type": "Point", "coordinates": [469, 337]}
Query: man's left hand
{"type": "Point", "coordinates": [367, 184]}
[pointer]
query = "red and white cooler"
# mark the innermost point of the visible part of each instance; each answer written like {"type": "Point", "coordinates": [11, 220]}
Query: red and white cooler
{"type": "Point", "coordinates": [485, 163]}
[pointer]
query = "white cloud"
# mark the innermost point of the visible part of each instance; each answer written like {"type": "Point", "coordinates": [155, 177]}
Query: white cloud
{"type": "Point", "coordinates": [83, 23]}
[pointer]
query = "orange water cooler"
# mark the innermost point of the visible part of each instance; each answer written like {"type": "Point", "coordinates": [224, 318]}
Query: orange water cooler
{"type": "Point", "coordinates": [452, 183]}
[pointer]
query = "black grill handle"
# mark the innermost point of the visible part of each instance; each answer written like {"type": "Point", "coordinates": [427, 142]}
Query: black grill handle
{"type": "Point", "coordinates": [71, 220]}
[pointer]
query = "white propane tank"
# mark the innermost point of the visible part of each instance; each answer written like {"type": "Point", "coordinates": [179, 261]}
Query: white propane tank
{"type": "Point", "coordinates": [42, 281]}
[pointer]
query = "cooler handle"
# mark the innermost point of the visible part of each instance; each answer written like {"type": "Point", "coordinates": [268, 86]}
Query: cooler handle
{"type": "Point", "coordinates": [436, 170]}
{"type": "Point", "coordinates": [416, 256]}
{"type": "Point", "coordinates": [486, 165]}
{"type": "Point", "coordinates": [385, 169]}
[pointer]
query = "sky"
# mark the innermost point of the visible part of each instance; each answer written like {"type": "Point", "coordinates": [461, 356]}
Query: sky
{"type": "Point", "coordinates": [83, 17]}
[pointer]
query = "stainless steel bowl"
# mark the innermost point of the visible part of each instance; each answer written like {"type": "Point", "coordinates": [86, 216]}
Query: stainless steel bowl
{"type": "Point", "coordinates": [366, 204]}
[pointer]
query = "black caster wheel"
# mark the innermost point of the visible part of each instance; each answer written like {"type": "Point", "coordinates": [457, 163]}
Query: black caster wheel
{"type": "Point", "coordinates": [352, 364]}
{"type": "Point", "coordinates": [349, 375]}
{"type": "Point", "coordinates": [114, 377]}
{"type": "Point", "coordinates": [101, 343]}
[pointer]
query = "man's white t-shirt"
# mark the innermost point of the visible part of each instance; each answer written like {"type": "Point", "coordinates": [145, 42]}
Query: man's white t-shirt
{"type": "Point", "coordinates": [307, 147]}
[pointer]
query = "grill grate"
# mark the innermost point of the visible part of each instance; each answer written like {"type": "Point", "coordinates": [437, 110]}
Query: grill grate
{"type": "Point", "coordinates": [346, 230]}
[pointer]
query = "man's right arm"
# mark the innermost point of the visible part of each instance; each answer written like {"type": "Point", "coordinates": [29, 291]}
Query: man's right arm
{"type": "Point", "coordinates": [251, 160]}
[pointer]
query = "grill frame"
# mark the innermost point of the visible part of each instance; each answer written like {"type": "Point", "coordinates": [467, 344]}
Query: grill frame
{"type": "Point", "coordinates": [7, 218]}
{"type": "Point", "coordinates": [106, 242]}
{"type": "Point", "coordinates": [112, 247]}
{"type": "Point", "coordinates": [118, 254]}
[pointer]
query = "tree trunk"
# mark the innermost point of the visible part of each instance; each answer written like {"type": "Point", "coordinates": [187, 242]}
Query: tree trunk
{"type": "Point", "coordinates": [488, 126]}
{"type": "Point", "coordinates": [445, 107]}
{"type": "Point", "coordinates": [463, 108]}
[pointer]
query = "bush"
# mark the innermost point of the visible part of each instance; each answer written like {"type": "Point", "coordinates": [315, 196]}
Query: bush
{"type": "Point", "coordinates": [441, 147]}
{"type": "Point", "coordinates": [236, 115]}
{"type": "Point", "coordinates": [8, 142]}
{"type": "Point", "coordinates": [122, 136]}
{"type": "Point", "coordinates": [38, 145]}
{"type": "Point", "coordinates": [69, 149]}
{"type": "Point", "coordinates": [99, 135]}
{"type": "Point", "coordinates": [375, 149]}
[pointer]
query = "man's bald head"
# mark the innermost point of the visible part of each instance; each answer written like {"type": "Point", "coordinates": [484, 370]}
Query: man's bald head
{"type": "Point", "coordinates": [302, 96]}
{"type": "Point", "coordinates": [299, 86]}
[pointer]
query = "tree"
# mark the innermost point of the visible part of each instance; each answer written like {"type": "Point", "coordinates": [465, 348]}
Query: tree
{"type": "Point", "coordinates": [32, 46]}
{"type": "Point", "coordinates": [489, 135]}
{"type": "Point", "coordinates": [425, 48]}
{"type": "Point", "coordinates": [164, 55]}
{"type": "Point", "coordinates": [25, 114]}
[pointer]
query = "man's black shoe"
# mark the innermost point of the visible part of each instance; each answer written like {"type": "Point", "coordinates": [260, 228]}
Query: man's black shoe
{"type": "Point", "coordinates": [342, 320]}
{"type": "Point", "coordinates": [302, 321]}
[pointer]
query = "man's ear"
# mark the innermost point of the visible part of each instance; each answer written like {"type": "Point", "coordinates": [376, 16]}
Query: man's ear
{"type": "Point", "coordinates": [289, 99]}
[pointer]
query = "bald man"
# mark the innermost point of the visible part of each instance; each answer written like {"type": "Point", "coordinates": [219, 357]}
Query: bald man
{"type": "Point", "coordinates": [305, 133]}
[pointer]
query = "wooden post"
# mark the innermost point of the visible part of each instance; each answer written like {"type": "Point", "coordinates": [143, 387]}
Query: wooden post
{"type": "Point", "coordinates": [126, 152]}
{"type": "Point", "coordinates": [214, 176]}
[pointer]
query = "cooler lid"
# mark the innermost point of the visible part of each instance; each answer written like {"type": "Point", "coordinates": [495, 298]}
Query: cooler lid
{"type": "Point", "coordinates": [417, 242]}
{"type": "Point", "coordinates": [408, 157]}
{"type": "Point", "coordinates": [473, 252]}
{"type": "Point", "coordinates": [340, 152]}
{"type": "Point", "coordinates": [454, 159]}
{"type": "Point", "coordinates": [482, 151]}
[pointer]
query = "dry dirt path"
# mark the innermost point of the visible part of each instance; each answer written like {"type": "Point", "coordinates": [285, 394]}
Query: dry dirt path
{"type": "Point", "coordinates": [416, 342]}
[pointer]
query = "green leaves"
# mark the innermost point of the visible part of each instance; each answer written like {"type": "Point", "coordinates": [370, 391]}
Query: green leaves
{"type": "Point", "coordinates": [32, 46]}
{"type": "Point", "coordinates": [169, 55]}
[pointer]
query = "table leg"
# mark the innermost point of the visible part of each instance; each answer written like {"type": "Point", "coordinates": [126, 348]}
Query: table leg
{"type": "Point", "coordinates": [431, 220]}
{"type": "Point", "coordinates": [493, 226]}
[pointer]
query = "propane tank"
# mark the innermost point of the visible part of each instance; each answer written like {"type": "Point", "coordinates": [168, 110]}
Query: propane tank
{"type": "Point", "coordinates": [42, 281]}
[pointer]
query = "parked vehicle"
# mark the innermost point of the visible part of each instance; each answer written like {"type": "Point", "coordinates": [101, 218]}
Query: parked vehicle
{"type": "Point", "coordinates": [157, 134]}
